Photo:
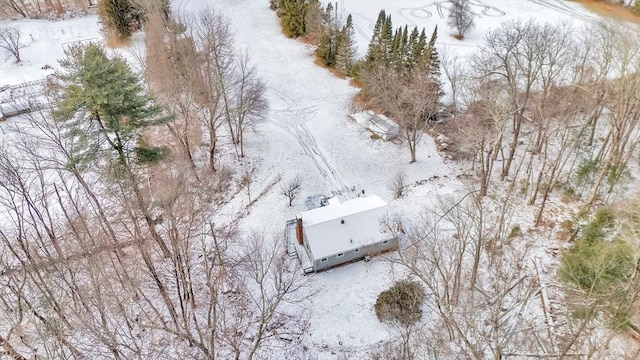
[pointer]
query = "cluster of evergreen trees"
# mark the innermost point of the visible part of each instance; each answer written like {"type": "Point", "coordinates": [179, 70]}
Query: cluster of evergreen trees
{"type": "Point", "coordinates": [401, 49]}
{"type": "Point", "coordinates": [124, 17]}
{"type": "Point", "coordinates": [323, 27]}
{"type": "Point", "coordinates": [295, 15]}
{"type": "Point", "coordinates": [337, 44]}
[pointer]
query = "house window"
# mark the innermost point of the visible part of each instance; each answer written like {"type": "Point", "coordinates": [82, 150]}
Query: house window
{"type": "Point", "coordinates": [340, 255]}
{"type": "Point", "coordinates": [356, 250]}
{"type": "Point", "coordinates": [323, 260]}
{"type": "Point", "coordinates": [385, 242]}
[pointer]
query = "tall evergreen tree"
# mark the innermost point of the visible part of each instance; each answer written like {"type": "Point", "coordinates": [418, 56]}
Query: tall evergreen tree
{"type": "Point", "coordinates": [403, 49]}
{"type": "Point", "coordinates": [325, 50]}
{"type": "Point", "coordinates": [328, 13]}
{"type": "Point", "coordinates": [106, 111]}
{"type": "Point", "coordinates": [331, 36]}
{"type": "Point", "coordinates": [346, 50]}
{"type": "Point", "coordinates": [375, 45]}
{"type": "Point", "coordinates": [106, 108]}
{"type": "Point", "coordinates": [293, 13]}
{"type": "Point", "coordinates": [386, 38]}
{"type": "Point", "coordinates": [314, 20]}
{"type": "Point", "coordinates": [123, 17]}
{"type": "Point", "coordinates": [432, 57]}
{"type": "Point", "coordinates": [395, 44]}
{"type": "Point", "coordinates": [412, 47]}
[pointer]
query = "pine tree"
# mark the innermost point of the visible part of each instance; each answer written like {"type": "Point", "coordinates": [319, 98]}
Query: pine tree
{"type": "Point", "coordinates": [403, 52]}
{"type": "Point", "coordinates": [412, 48]}
{"type": "Point", "coordinates": [328, 13]}
{"type": "Point", "coordinates": [395, 45]}
{"type": "Point", "coordinates": [386, 39]}
{"type": "Point", "coordinates": [323, 52]}
{"type": "Point", "coordinates": [375, 48]}
{"type": "Point", "coordinates": [431, 55]}
{"type": "Point", "coordinates": [106, 108]}
{"type": "Point", "coordinates": [106, 111]}
{"type": "Point", "coordinates": [429, 65]}
{"type": "Point", "coordinates": [329, 42]}
{"type": "Point", "coordinates": [314, 20]}
{"type": "Point", "coordinates": [346, 50]}
{"type": "Point", "coordinates": [293, 17]}
{"type": "Point", "coordinates": [123, 17]}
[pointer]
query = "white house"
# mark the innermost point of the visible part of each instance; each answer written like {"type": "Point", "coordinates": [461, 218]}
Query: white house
{"type": "Point", "coordinates": [341, 232]}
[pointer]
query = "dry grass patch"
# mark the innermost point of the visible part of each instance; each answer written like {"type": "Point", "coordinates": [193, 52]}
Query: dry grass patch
{"type": "Point", "coordinates": [613, 11]}
{"type": "Point", "coordinates": [114, 41]}
{"type": "Point", "coordinates": [334, 71]}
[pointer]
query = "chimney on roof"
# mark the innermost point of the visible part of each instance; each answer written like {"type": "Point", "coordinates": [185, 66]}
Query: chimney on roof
{"type": "Point", "coordinates": [299, 235]}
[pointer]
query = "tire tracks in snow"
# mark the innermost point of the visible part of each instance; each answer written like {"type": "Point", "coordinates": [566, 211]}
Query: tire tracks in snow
{"type": "Point", "coordinates": [365, 34]}
{"type": "Point", "coordinates": [293, 121]}
{"type": "Point", "coordinates": [423, 12]}
{"type": "Point", "coordinates": [561, 7]}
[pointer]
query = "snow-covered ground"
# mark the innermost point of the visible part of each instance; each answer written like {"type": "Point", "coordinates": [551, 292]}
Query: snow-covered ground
{"type": "Point", "coordinates": [428, 14]}
{"type": "Point", "coordinates": [308, 132]}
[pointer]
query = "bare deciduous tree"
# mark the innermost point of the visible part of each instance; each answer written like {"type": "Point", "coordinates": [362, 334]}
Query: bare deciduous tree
{"type": "Point", "coordinates": [410, 99]}
{"type": "Point", "coordinates": [10, 41]}
{"type": "Point", "coordinates": [512, 58]}
{"type": "Point", "coordinates": [291, 189]}
{"type": "Point", "coordinates": [454, 71]}
{"type": "Point", "coordinates": [460, 17]}
{"type": "Point", "coordinates": [489, 316]}
{"type": "Point", "coordinates": [67, 292]}
{"type": "Point", "coordinates": [214, 44]}
{"type": "Point", "coordinates": [480, 130]}
{"type": "Point", "coordinates": [174, 76]}
{"type": "Point", "coordinates": [249, 101]}
{"type": "Point", "coordinates": [623, 111]}
{"type": "Point", "coordinates": [399, 184]}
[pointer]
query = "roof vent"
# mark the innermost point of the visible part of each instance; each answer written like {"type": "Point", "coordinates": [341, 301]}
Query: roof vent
{"type": "Point", "coordinates": [341, 221]}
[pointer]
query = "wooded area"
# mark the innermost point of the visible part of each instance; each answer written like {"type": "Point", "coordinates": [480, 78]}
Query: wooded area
{"type": "Point", "coordinates": [114, 243]}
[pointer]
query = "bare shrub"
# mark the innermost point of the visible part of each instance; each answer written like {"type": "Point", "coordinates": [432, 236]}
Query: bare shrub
{"type": "Point", "coordinates": [10, 41]}
{"type": "Point", "coordinates": [400, 303]}
{"type": "Point", "coordinates": [399, 184]}
{"type": "Point", "coordinates": [291, 189]}
{"type": "Point", "coordinates": [460, 17]}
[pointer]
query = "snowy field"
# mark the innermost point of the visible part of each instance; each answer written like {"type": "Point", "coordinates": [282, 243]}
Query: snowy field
{"type": "Point", "coordinates": [308, 132]}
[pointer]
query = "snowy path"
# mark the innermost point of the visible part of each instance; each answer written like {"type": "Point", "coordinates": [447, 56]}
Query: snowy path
{"type": "Point", "coordinates": [300, 107]}
{"type": "Point", "coordinates": [293, 121]}
{"type": "Point", "coordinates": [564, 8]}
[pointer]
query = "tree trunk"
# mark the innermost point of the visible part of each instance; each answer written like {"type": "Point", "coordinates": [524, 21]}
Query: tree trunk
{"type": "Point", "coordinates": [513, 147]}
{"type": "Point", "coordinates": [9, 350]}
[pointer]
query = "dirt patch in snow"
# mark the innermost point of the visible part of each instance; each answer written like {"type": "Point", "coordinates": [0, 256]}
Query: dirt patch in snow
{"type": "Point", "coordinates": [614, 11]}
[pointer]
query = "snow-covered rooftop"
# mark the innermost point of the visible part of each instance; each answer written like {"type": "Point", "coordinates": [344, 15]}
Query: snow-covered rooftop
{"type": "Point", "coordinates": [355, 223]}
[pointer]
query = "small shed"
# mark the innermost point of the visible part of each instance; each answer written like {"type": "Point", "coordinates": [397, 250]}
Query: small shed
{"type": "Point", "coordinates": [8, 110]}
{"type": "Point", "coordinates": [386, 128]}
{"type": "Point", "coordinates": [342, 232]}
